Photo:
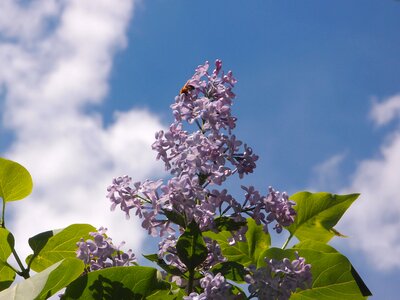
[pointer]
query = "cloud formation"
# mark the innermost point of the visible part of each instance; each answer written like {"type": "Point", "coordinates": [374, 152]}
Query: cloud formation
{"type": "Point", "coordinates": [384, 112]}
{"type": "Point", "coordinates": [373, 221]}
{"type": "Point", "coordinates": [56, 57]}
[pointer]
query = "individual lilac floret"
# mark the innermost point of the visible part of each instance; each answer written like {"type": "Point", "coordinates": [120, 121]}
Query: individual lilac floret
{"type": "Point", "coordinates": [101, 253]}
{"type": "Point", "coordinates": [279, 279]}
{"type": "Point", "coordinates": [214, 288]}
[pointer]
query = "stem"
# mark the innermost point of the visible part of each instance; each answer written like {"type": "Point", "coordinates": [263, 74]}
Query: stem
{"type": "Point", "coordinates": [3, 212]}
{"type": "Point", "coordinates": [287, 241]}
{"type": "Point", "coordinates": [190, 283]}
{"type": "Point", "coordinates": [24, 272]}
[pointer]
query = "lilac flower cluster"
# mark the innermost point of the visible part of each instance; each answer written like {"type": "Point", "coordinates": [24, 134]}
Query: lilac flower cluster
{"type": "Point", "coordinates": [205, 152]}
{"type": "Point", "coordinates": [196, 160]}
{"type": "Point", "coordinates": [277, 206]}
{"type": "Point", "coordinates": [101, 253]}
{"type": "Point", "coordinates": [214, 288]}
{"type": "Point", "coordinates": [278, 279]}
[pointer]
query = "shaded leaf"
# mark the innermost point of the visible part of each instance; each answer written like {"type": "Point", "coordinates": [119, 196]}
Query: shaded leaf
{"type": "Point", "coordinates": [191, 248]}
{"type": "Point", "coordinates": [160, 262]}
{"type": "Point", "coordinates": [117, 283]}
{"type": "Point", "coordinates": [317, 214]}
{"type": "Point", "coordinates": [231, 270]}
{"type": "Point", "coordinates": [175, 217]}
{"type": "Point", "coordinates": [228, 224]}
{"type": "Point", "coordinates": [15, 181]}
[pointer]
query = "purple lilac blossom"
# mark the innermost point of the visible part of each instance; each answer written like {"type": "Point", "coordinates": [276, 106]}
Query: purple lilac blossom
{"type": "Point", "coordinates": [101, 253]}
{"type": "Point", "coordinates": [275, 206]}
{"type": "Point", "coordinates": [279, 279]}
{"type": "Point", "coordinates": [214, 288]}
{"type": "Point", "coordinates": [195, 160]}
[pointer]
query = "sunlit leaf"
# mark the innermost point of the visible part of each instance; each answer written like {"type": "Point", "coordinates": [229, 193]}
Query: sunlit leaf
{"type": "Point", "coordinates": [52, 246]}
{"type": "Point", "coordinates": [331, 271]}
{"type": "Point", "coordinates": [7, 274]}
{"type": "Point", "coordinates": [317, 214]}
{"type": "Point", "coordinates": [46, 283]}
{"type": "Point", "coordinates": [15, 181]}
{"type": "Point", "coordinates": [245, 253]}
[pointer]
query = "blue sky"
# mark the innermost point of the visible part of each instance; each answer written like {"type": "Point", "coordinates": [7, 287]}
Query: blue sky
{"type": "Point", "coordinates": [317, 99]}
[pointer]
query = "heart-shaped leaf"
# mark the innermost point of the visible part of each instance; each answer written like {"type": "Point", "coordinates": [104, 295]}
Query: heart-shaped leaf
{"type": "Point", "coordinates": [15, 181]}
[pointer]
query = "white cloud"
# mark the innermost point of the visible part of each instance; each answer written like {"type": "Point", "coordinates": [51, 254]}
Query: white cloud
{"type": "Point", "coordinates": [326, 175]}
{"type": "Point", "coordinates": [373, 221]}
{"type": "Point", "coordinates": [385, 111]}
{"type": "Point", "coordinates": [56, 58]}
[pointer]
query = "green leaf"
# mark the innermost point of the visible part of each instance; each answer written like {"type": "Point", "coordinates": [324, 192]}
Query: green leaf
{"type": "Point", "coordinates": [46, 283]}
{"type": "Point", "coordinates": [317, 214]}
{"type": "Point", "coordinates": [117, 283]}
{"type": "Point", "coordinates": [331, 272]}
{"type": "Point", "coordinates": [168, 268]}
{"type": "Point", "coordinates": [15, 181]}
{"type": "Point", "coordinates": [231, 270]}
{"type": "Point", "coordinates": [52, 246]}
{"type": "Point", "coordinates": [176, 294]}
{"type": "Point", "coordinates": [175, 217]}
{"type": "Point", "coordinates": [7, 274]}
{"type": "Point", "coordinates": [6, 244]}
{"type": "Point", "coordinates": [227, 224]}
{"type": "Point", "coordinates": [245, 253]}
{"type": "Point", "coordinates": [317, 246]}
{"type": "Point", "coordinates": [191, 248]}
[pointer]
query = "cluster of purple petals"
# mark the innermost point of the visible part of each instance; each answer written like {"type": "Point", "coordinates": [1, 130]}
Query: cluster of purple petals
{"type": "Point", "coordinates": [206, 151]}
{"type": "Point", "coordinates": [276, 206]}
{"type": "Point", "coordinates": [195, 159]}
{"type": "Point", "coordinates": [214, 288]}
{"type": "Point", "coordinates": [279, 279]}
{"type": "Point", "coordinates": [100, 252]}
{"type": "Point", "coordinates": [167, 251]}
